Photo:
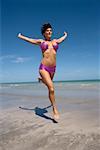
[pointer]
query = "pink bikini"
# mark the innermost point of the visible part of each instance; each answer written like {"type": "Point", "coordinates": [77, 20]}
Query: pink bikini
{"type": "Point", "coordinates": [44, 47]}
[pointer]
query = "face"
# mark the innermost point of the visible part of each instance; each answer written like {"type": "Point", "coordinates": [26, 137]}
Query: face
{"type": "Point", "coordinates": [48, 33]}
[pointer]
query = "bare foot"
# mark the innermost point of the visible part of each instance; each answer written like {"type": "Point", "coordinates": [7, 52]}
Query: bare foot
{"type": "Point", "coordinates": [39, 79]}
{"type": "Point", "coordinates": [55, 113]}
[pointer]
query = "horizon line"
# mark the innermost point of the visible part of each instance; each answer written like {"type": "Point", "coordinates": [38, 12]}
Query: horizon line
{"type": "Point", "coordinates": [53, 81]}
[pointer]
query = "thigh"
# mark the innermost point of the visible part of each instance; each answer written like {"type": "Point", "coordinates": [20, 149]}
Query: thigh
{"type": "Point", "coordinates": [52, 75]}
{"type": "Point", "coordinates": [46, 78]}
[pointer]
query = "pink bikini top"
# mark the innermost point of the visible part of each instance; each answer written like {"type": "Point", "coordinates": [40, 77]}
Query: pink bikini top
{"type": "Point", "coordinates": [44, 46]}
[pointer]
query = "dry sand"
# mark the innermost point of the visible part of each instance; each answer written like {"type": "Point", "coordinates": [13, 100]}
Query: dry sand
{"type": "Point", "coordinates": [32, 127]}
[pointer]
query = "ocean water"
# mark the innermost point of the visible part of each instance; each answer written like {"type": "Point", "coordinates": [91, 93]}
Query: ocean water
{"type": "Point", "coordinates": [61, 88]}
{"type": "Point", "coordinates": [15, 94]}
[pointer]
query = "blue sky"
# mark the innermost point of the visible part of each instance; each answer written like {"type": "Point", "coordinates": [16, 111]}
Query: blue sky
{"type": "Point", "coordinates": [77, 56]}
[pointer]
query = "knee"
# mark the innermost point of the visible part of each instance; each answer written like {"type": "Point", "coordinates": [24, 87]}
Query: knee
{"type": "Point", "coordinates": [51, 89]}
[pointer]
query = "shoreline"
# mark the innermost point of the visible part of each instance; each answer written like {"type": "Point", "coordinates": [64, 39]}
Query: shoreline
{"type": "Point", "coordinates": [26, 120]}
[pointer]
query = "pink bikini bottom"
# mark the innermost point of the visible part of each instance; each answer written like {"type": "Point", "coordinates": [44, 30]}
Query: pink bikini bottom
{"type": "Point", "coordinates": [47, 68]}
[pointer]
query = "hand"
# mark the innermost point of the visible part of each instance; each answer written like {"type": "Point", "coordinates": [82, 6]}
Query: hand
{"type": "Point", "coordinates": [19, 34]}
{"type": "Point", "coordinates": [65, 33]}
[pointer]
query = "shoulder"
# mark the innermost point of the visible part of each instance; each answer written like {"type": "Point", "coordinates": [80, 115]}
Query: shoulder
{"type": "Point", "coordinates": [39, 41]}
{"type": "Point", "coordinates": [55, 41]}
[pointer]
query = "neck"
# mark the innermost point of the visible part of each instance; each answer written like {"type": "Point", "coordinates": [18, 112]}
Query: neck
{"type": "Point", "coordinates": [47, 39]}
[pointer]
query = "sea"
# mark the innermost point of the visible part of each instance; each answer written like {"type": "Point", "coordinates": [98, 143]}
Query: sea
{"type": "Point", "coordinates": [27, 93]}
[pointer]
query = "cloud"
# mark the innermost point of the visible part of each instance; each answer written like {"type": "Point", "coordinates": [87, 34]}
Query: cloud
{"type": "Point", "coordinates": [21, 59]}
{"type": "Point", "coordinates": [14, 59]}
{"type": "Point", "coordinates": [7, 57]}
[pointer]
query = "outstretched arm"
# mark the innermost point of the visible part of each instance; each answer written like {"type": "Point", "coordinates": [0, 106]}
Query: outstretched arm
{"type": "Point", "coordinates": [62, 38]}
{"type": "Point", "coordinates": [33, 41]}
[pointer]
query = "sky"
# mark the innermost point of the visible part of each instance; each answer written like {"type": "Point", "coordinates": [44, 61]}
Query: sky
{"type": "Point", "coordinates": [77, 56]}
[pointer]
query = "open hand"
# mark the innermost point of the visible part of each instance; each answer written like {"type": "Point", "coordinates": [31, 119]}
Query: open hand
{"type": "Point", "coordinates": [65, 33]}
{"type": "Point", "coordinates": [19, 34]}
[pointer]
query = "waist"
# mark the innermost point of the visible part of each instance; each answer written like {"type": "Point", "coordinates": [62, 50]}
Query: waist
{"type": "Point", "coordinates": [49, 59]}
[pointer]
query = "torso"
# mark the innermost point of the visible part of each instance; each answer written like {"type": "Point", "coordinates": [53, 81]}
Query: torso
{"type": "Point", "coordinates": [49, 52]}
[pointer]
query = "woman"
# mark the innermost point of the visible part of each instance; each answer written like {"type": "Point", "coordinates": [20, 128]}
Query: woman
{"type": "Point", "coordinates": [48, 64]}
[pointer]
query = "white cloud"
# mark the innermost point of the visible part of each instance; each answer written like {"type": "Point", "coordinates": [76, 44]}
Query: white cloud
{"type": "Point", "coordinates": [21, 59]}
{"type": "Point", "coordinates": [14, 59]}
{"type": "Point", "coordinates": [7, 57]}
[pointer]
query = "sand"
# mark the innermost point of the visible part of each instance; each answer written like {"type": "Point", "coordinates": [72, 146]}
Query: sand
{"type": "Point", "coordinates": [32, 127]}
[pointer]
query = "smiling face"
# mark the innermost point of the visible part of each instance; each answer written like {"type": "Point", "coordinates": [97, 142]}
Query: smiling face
{"type": "Point", "coordinates": [48, 33]}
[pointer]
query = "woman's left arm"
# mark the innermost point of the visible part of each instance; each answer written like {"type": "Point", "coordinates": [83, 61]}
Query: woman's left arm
{"type": "Point", "coordinates": [62, 38]}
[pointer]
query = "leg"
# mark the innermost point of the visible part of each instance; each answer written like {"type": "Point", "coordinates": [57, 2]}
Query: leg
{"type": "Point", "coordinates": [50, 70]}
{"type": "Point", "coordinates": [48, 82]}
{"type": "Point", "coordinates": [41, 80]}
{"type": "Point", "coordinates": [52, 75]}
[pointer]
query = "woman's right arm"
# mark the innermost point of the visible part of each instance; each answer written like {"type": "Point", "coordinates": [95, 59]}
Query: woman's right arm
{"type": "Point", "coordinates": [33, 41]}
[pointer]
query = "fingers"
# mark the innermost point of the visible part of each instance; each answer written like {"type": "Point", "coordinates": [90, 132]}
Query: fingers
{"type": "Point", "coordinates": [19, 34]}
{"type": "Point", "coordinates": [65, 33]}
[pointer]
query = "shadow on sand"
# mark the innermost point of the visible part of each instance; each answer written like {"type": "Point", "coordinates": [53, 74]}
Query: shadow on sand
{"type": "Point", "coordinates": [40, 112]}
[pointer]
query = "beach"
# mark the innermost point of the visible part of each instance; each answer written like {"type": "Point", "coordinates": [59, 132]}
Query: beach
{"type": "Point", "coordinates": [26, 120]}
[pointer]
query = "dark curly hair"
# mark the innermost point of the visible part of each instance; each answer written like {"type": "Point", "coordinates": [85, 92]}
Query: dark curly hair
{"type": "Point", "coordinates": [45, 27]}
